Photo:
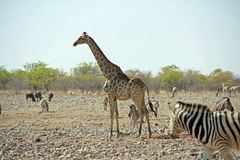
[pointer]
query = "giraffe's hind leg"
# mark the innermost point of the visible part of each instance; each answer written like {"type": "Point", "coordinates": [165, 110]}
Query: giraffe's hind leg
{"type": "Point", "coordinates": [148, 122]}
{"type": "Point", "coordinates": [116, 118]}
{"type": "Point", "coordinates": [141, 122]}
{"type": "Point", "coordinates": [139, 102]}
{"type": "Point", "coordinates": [137, 91]}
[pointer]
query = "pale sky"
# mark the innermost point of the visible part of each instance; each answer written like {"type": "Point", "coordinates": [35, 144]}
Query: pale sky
{"type": "Point", "coordinates": [134, 34]}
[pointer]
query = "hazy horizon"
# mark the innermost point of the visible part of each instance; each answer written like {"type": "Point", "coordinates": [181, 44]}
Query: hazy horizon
{"type": "Point", "coordinates": [145, 35]}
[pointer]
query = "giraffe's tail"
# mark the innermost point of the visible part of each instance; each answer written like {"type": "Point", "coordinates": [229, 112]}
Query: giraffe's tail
{"type": "Point", "coordinates": [149, 102]}
{"type": "Point", "coordinates": [151, 108]}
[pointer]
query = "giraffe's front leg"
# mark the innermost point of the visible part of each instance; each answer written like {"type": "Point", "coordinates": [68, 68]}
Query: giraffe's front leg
{"type": "Point", "coordinates": [113, 110]}
{"type": "Point", "coordinates": [111, 119]}
{"type": "Point", "coordinates": [116, 115]}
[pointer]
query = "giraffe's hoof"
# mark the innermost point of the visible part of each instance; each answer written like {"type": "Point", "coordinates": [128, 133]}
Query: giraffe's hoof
{"type": "Point", "coordinates": [150, 134]}
{"type": "Point", "coordinates": [139, 136]}
{"type": "Point", "coordinates": [110, 135]}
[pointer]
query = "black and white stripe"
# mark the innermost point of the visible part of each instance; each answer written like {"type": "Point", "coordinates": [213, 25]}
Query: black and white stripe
{"type": "Point", "coordinates": [216, 130]}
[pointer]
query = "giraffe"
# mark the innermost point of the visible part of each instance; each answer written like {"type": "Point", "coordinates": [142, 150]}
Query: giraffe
{"type": "Point", "coordinates": [118, 86]}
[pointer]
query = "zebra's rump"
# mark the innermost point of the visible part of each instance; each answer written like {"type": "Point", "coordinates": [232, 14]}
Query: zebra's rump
{"type": "Point", "coordinates": [228, 127]}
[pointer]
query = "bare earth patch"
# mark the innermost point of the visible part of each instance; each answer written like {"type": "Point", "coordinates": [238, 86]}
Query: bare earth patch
{"type": "Point", "coordinates": [77, 128]}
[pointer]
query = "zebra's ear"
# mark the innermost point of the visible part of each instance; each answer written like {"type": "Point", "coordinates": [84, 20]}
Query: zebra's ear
{"type": "Point", "coordinates": [171, 107]}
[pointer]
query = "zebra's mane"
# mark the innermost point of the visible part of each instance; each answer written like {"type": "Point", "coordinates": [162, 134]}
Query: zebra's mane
{"type": "Point", "coordinates": [200, 106]}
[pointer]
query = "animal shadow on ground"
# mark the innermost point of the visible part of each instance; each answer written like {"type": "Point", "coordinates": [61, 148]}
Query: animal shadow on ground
{"type": "Point", "coordinates": [46, 112]}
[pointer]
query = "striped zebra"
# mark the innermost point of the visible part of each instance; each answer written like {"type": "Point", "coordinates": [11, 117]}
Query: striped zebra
{"type": "Point", "coordinates": [233, 90]}
{"type": "Point", "coordinates": [217, 131]}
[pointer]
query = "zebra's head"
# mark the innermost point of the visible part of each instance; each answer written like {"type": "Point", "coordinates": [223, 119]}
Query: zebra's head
{"type": "Point", "coordinates": [225, 103]}
{"type": "Point", "coordinates": [132, 107]}
{"type": "Point", "coordinates": [175, 125]}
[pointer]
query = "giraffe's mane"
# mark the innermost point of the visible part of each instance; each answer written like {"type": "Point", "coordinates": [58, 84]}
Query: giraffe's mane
{"type": "Point", "coordinates": [103, 53]}
{"type": "Point", "coordinates": [196, 105]}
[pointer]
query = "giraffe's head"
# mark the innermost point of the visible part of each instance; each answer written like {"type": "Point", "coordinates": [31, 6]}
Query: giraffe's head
{"type": "Point", "coordinates": [82, 39]}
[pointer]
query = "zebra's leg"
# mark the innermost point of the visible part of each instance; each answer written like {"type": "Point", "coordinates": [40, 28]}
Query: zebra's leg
{"type": "Point", "coordinates": [134, 125]}
{"type": "Point", "coordinates": [226, 153]}
{"type": "Point", "coordinates": [235, 93]}
{"type": "Point", "coordinates": [207, 153]}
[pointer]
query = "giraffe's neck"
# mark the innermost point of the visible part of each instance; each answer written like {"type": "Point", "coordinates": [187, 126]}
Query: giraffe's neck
{"type": "Point", "coordinates": [106, 66]}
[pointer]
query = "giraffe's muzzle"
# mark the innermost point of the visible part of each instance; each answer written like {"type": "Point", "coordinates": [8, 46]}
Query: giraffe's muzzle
{"type": "Point", "coordinates": [75, 44]}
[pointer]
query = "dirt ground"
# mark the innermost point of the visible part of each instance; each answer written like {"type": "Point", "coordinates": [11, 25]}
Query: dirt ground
{"type": "Point", "coordinates": [77, 127]}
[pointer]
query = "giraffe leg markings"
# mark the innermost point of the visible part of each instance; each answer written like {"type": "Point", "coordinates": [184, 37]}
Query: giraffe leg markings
{"type": "Point", "coordinates": [148, 123]}
{"type": "Point", "coordinates": [117, 119]}
{"type": "Point", "coordinates": [111, 119]}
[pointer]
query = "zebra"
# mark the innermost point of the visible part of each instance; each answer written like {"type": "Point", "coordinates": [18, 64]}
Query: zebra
{"type": "Point", "coordinates": [50, 96]}
{"type": "Point", "coordinates": [218, 90]}
{"type": "Point", "coordinates": [44, 105]}
{"type": "Point", "coordinates": [30, 95]}
{"type": "Point", "coordinates": [233, 89]}
{"type": "Point", "coordinates": [222, 104]}
{"type": "Point", "coordinates": [217, 131]}
{"type": "Point", "coordinates": [174, 90]}
{"type": "Point", "coordinates": [38, 96]}
{"type": "Point", "coordinates": [154, 108]}
{"type": "Point", "coordinates": [133, 115]}
{"type": "Point", "coordinates": [105, 103]}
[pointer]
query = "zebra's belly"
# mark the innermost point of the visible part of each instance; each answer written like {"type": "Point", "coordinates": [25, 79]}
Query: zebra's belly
{"type": "Point", "coordinates": [233, 142]}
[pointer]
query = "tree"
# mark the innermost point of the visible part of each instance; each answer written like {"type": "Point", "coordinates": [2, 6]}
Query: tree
{"type": "Point", "coordinates": [86, 68]}
{"type": "Point", "coordinates": [5, 77]}
{"type": "Point", "coordinates": [220, 76]}
{"type": "Point", "coordinates": [39, 76]}
{"type": "Point", "coordinates": [87, 76]}
{"type": "Point", "coordinates": [170, 76]}
{"type": "Point", "coordinates": [18, 80]}
{"type": "Point", "coordinates": [193, 79]}
{"type": "Point", "coordinates": [135, 73]}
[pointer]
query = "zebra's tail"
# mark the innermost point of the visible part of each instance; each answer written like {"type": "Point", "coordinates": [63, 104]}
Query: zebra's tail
{"type": "Point", "coordinates": [149, 102]}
